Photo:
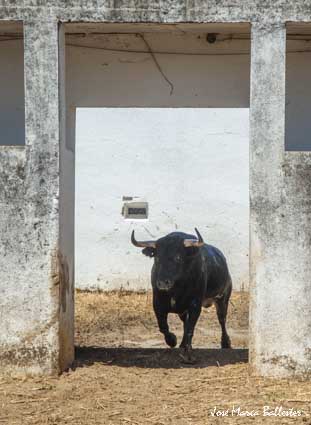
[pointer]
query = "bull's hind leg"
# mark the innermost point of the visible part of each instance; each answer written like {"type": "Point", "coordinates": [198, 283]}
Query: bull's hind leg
{"type": "Point", "coordinates": [222, 308]}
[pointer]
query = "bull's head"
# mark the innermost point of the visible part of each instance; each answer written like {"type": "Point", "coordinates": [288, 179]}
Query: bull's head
{"type": "Point", "coordinates": [171, 256]}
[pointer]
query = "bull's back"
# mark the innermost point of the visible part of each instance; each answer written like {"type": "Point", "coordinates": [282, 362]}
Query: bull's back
{"type": "Point", "coordinates": [218, 279]}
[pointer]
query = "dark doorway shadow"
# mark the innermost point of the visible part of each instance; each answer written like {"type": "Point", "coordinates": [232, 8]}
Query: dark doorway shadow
{"type": "Point", "coordinates": [154, 358]}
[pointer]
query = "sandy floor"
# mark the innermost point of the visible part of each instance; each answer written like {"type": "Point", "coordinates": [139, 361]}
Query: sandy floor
{"type": "Point", "coordinates": [124, 374]}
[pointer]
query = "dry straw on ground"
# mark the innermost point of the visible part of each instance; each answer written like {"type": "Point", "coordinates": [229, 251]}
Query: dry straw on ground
{"type": "Point", "coordinates": [125, 375]}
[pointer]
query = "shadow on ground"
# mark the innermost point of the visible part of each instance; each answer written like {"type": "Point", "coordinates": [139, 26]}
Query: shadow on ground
{"type": "Point", "coordinates": [157, 357]}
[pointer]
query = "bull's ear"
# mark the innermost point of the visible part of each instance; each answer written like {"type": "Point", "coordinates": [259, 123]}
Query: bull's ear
{"type": "Point", "coordinates": [149, 251]}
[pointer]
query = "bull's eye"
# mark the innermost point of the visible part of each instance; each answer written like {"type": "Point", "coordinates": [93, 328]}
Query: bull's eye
{"type": "Point", "coordinates": [177, 258]}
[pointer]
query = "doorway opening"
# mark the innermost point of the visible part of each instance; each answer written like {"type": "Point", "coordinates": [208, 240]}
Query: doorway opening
{"type": "Point", "coordinates": [158, 115]}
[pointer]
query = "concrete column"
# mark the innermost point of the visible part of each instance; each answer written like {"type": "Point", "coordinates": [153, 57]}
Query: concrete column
{"type": "Point", "coordinates": [66, 215]}
{"type": "Point", "coordinates": [280, 318]}
{"type": "Point", "coordinates": [36, 326]}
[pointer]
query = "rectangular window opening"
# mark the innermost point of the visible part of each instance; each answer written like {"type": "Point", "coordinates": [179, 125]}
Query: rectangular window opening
{"type": "Point", "coordinates": [298, 88]}
{"type": "Point", "coordinates": [12, 110]}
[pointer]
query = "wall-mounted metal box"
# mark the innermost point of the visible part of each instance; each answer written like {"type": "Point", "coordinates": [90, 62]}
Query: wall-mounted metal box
{"type": "Point", "coordinates": [135, 210]}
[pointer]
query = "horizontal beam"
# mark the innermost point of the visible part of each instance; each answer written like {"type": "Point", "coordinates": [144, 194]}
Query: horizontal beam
{"type": "Point", "coordinates": [199, 11]}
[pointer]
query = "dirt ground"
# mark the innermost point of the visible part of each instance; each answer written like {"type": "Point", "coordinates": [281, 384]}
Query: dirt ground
{"type": "Point", "coordinates": [124, 374]}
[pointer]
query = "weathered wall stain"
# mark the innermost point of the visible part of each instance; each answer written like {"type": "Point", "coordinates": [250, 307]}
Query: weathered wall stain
{"type": "Point", "coordinates": [293, 367]}
{"type": "Point", "coordinates": [62, 289]}
{"type": "Point", "coordinates": [63, 281]}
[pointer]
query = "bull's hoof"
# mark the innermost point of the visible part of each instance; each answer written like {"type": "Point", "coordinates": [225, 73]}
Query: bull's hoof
{"type": "Point", "coordinates": [225, 343]}
{"type": "Point", "coordinates": [171, 339]}
{"type": "Point", "coordinates": [186, 355]}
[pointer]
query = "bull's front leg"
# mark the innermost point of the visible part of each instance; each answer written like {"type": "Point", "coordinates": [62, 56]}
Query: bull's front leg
{"type": "Point", "coordinates": [161, 316]}
{"type": "Point", "coordinates": [190, 319]}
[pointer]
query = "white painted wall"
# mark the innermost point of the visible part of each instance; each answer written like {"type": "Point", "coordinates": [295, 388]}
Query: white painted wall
{"type": "Point", "coordinates": [190, 164]}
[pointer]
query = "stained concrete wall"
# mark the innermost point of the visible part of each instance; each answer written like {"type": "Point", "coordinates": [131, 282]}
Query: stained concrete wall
{"type": "Point", "coordinates": [33, 336]}
{"type": "Point", "coordinates": [170, 11]}
{"type": "Point", "coordinates": [298, 96]}
{"type": "Point", "coordinates": [280, 322]}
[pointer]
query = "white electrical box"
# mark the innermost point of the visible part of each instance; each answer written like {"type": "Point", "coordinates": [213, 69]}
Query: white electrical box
{"type": "Point", "coordinates": [134, 209]}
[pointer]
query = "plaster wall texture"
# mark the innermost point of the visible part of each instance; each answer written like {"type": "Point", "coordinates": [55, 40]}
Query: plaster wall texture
{"type": "Point", "coordinates": [30, 220]}
{"type": "Point", "coordinates": [190, 164]}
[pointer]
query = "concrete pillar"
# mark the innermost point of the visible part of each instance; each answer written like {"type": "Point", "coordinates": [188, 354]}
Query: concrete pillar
{"type": "Point", "coordinates": [66, 215]}
{"type": "Point", "coordinates": [280, 318]}
{"type": "Point", "coordinates": [36, 326]}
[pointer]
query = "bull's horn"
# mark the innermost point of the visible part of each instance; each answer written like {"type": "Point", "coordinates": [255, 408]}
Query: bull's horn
{"type": "Point", "coordinates": [194, 242]}
{"type": "Point", "coordinates": [142, 244]}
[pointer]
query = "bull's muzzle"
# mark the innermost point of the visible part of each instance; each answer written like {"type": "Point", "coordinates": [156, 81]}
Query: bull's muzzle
{"type": "Point", "coordinates": [165, 285]}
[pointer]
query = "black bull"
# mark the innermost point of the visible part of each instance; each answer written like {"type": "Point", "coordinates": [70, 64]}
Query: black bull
{"type": "Point", "coordinates": [187, 275]}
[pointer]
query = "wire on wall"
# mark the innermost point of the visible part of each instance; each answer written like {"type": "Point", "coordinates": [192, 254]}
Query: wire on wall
{"type": "Point", "coordinates": [157, 64]}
